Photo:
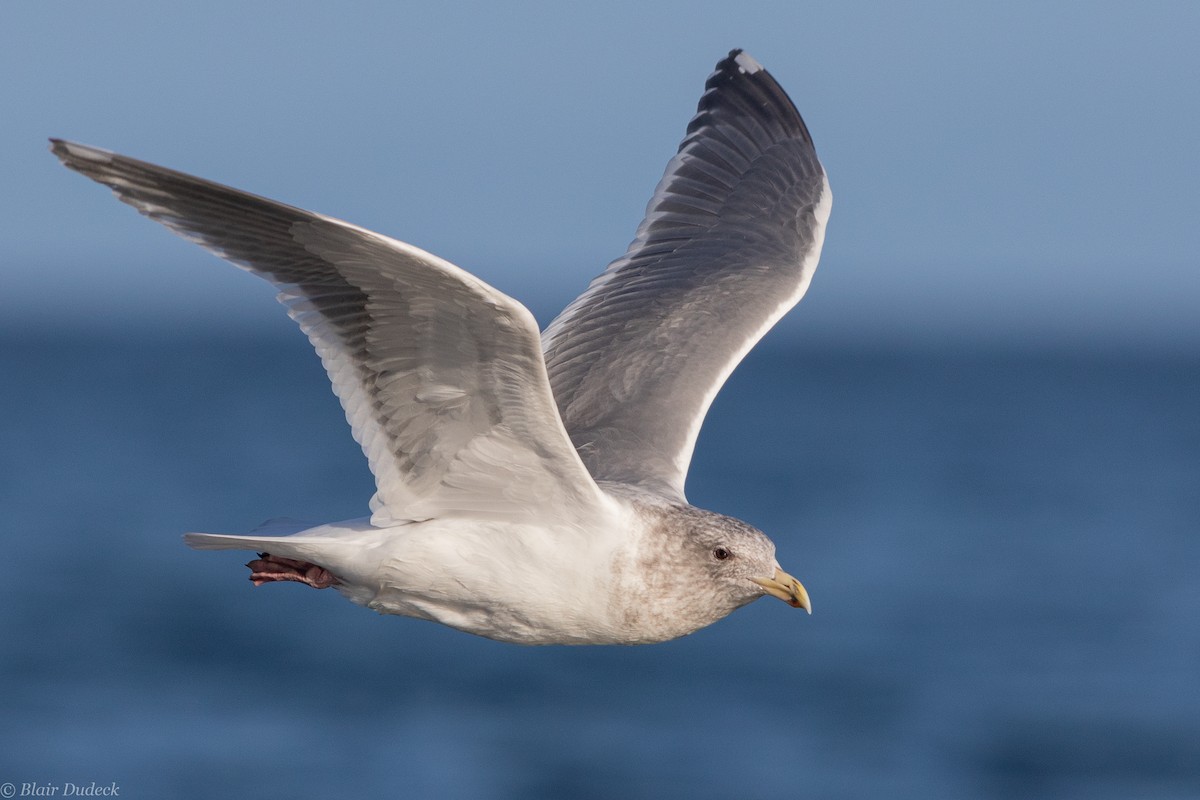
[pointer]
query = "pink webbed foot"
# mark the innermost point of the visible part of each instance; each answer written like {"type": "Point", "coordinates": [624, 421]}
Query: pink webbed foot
{"type": "Point", "coordinates": [268, 568]}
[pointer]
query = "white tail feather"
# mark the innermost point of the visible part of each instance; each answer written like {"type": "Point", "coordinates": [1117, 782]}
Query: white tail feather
{"type": "Point", "coordinates": [259, 538]}
{"type": "Point", "coordinates": [222, 541]}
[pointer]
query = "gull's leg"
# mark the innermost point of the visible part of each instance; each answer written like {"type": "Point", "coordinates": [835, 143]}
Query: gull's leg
{"type": "Point", "coordinates": [268, 568]}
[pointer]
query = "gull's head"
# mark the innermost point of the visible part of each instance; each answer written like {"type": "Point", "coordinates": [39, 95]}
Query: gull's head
{"type": "Point", "coordinates": [741, 560]}
{"type": "Point", "coordinates": [693, 567]}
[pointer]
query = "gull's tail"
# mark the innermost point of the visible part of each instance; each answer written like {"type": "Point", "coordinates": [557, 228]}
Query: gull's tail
{"type": "Point", "coordinates": [260, 538]}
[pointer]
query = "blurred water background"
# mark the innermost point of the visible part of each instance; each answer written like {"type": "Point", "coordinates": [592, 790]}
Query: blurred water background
{"type": "Point", "coordinates": [976, 441]}
{"type": "Point", "coordinates": [1001, 545]}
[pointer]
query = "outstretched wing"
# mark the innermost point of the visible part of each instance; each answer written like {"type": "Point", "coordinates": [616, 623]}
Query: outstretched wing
{"type": "Point", "coordinates": [441, 376]}
{"type": "Point", "coordinates": [728, 246]}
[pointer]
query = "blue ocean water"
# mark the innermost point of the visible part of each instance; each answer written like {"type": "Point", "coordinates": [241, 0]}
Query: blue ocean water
{"type": "Point", "coordinates": [1002, 550]}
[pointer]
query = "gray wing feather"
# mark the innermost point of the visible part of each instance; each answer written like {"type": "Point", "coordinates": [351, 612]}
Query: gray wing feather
{"type": "Point", "coordinates": [440, 375]}
{"type": "Point", "coordinates": [728, 244]}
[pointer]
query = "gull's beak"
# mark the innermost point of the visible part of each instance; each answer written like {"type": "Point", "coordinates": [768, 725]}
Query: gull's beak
{"type": "Point", "coordinates": [787, 589]}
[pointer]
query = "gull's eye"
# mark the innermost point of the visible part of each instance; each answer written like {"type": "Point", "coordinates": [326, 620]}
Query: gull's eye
{"type": "Point", "coordinates": [721, 553]}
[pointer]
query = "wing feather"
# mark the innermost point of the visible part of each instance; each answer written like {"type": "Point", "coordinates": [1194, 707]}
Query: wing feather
{"type": "Point", "coordinates": [728, 244]}
{"type": "Point", "coordinates": [441, 376]}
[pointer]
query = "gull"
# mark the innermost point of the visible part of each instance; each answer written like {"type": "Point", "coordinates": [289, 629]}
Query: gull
{"type": "Point", "coordinates": [530, 487]}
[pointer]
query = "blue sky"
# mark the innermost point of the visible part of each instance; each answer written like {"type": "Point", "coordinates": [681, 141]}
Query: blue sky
{"type": "Point", "coordinates": [1010, 172]}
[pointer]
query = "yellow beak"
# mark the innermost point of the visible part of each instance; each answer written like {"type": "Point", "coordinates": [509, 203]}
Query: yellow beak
{"type": "Point", "coordinates": [787, 589]}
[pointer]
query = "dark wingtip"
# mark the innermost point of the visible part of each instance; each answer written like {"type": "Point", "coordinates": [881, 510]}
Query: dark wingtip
{"type": "Point", "coordinates": [740, 61]}
{"type": "Point", "coordinates": [61, 147]}
{"type": "Point", "coordinates": [740, 85]}
{"type": "Point", "coordinates": [78, 156]}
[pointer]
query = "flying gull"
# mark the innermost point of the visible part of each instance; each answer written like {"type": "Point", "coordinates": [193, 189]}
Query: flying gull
{"type": "Point", "coordinates": [530, 488]}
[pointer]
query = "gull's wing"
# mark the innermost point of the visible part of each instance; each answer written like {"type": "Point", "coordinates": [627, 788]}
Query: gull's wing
{"type": "Point", "coordinates": [729, 244]}
{"type": "Point", "coordinates": [441, 376]}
